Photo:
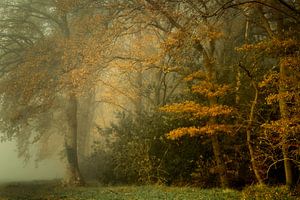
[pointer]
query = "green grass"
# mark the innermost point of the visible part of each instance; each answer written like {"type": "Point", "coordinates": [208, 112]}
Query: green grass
{"type": "Point", "coordinates": [54, 191]}
{"type": "Point", "coordinates": [46, 191]}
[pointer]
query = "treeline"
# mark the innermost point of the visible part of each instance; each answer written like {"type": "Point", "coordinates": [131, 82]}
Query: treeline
{"type": "Point", "coordinates": [207, 91]}
{"type": "Point", "coordinates": [234, 119]}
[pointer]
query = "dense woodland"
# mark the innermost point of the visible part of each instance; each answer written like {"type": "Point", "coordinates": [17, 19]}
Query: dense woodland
{"type": "Point", "coordinates": [193, 92]}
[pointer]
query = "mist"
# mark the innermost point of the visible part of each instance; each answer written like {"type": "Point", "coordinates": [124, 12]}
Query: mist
{"type": "Point", "coordinates": [13, 168]}
{"type": "Point", "coordinates": [148, 92]}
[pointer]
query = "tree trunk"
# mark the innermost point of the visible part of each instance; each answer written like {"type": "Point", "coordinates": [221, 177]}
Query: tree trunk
{"type": "Point", "coordinates": [287, 164]}
{"type": "Point", "coordinates": [220, 163]}
{"type": "Point", "coordinates": [74, 176]}
{"type": "Point", "coordinates": [86, 112]}
{"type": "Point", "coordinates": [139, 83]}
{"type": "Point", "coordinates": [71, 138]}
{"type": "Point", "coordinates": [249, 142]}
{"type": "Point", "coordinates": [251, 118]}
{"type": "Point", "coordinates": [282, 103]}
{"type": "Point", "coordinates": [139, 98]}
{"type": "Point", "coordinates": [284, 115]}
{"type": "Point", "coordinates": [221, 167]}
{"type": "Point", "coordinates": [211, 77]}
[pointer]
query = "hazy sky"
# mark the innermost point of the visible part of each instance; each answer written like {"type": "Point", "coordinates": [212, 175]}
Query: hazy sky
{"type": "Point", "coordinates": [13, 168]}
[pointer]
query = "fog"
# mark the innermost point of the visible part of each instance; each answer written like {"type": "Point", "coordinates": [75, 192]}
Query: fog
{"type": "Point", "coordinates": [151, 92]}
{"type": "Point", "coordinates": [13, 168]}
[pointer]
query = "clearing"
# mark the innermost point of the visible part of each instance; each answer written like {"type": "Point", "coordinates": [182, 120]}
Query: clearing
{"type": "Point", "coordinates": [52, 191]}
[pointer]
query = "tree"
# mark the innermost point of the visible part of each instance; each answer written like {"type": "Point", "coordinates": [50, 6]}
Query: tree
{"type": "Point", "coordinates": [279, 44]}
{"type": "Point", "coordinates": [211, 115]}
{"type": "Point", "coordinates": [46, 77]}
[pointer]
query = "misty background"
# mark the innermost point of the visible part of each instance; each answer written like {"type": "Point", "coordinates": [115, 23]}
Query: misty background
{"type": "Point", "coordinates": [13, 168]}
{"type": "Point", "coordinates": [178, 93]}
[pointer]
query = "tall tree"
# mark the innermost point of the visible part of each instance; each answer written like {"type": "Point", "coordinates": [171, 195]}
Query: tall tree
{"type": "Point", "coordinates": [201, 43]}
{"type": "Point", "coordinates": [279, 40]}
{"type": "Point", "coordinates": [61, 60]}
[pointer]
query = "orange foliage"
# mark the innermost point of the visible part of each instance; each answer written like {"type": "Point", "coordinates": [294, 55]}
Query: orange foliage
{"type": "Point", "coordinates": [192, 111]}
{"type": "Point", "coordinates": [284, 126]}
{"type": "Point", "coordinates": [207, 33]}
{"type": "Point", "coordinates": [209, 89]}
{"type": "Point", "coordinates": [270, 79]}
{"type": "Point", "coordinates": [209, 129]}
{"type": "Point", "coordinates": [195, 111]}
{"type": "Point", "coordinates": [195, 75]}
{"type": "Point", "coordinates": [273, 47]}
{"type": "Point", "coordinates": [285, 81]}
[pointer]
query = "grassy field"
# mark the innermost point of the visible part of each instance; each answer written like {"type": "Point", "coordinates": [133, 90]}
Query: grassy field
{"type": "Point", "coordinates": [55, 191]}
{"type": "Point", "coordinates": [46, 191]}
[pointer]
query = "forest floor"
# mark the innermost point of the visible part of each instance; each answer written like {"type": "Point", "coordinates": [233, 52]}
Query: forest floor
{"type": "Point", "coordinates": [53, 191]}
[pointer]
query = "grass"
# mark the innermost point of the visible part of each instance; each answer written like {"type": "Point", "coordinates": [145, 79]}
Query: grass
{"type": "Point", "coordinates": [46, 190]}
{"type": "Point", "coordinates": [52, 191]}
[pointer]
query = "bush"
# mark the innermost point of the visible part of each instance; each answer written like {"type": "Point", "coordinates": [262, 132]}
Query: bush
{"type": "Point", "coordinates": [264, 192]}
{"type": "Point", "coordinates": [139, 153]}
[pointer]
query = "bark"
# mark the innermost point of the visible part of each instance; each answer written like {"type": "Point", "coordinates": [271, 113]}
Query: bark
{"type": "Point", "coordinates": [211, 76]}
{"type": "Point", "coordinates": [282, 103]}
{"type": "Point", "coordinates": [85, 123]}
{"type": "Point", "coordinates": [253, 162]}
{"type": "Point", "coordinates": [220, 163]}
{"type": "Point", "coordinates": [284, 114]}
{"type": "Point", "coordinates": [158, 87]}
{"type": "Point", "coordinates": [249, 141]}
{"type": "Point", "coordinates": [74, 175]}
{"type": "Point", "coordinates": [139, 85]}
{"type": "Point", "coordinates": [221, 166]}
{"type": "Point", "coordinates": [210, 67]}
{"type": "Point", "coordinates": [237, 88]}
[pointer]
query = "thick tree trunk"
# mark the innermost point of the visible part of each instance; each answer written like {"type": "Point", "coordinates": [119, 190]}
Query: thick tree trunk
{"type": "Point", "coordinates": [71, 137]}
{"type": "Point", "coordinates": [85, 124]}
{"type": "Point", "coordinates": [74, 176]}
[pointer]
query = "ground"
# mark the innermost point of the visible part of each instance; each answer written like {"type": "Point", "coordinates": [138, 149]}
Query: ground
{"type": "Point", "coordinates": [54, 191]}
